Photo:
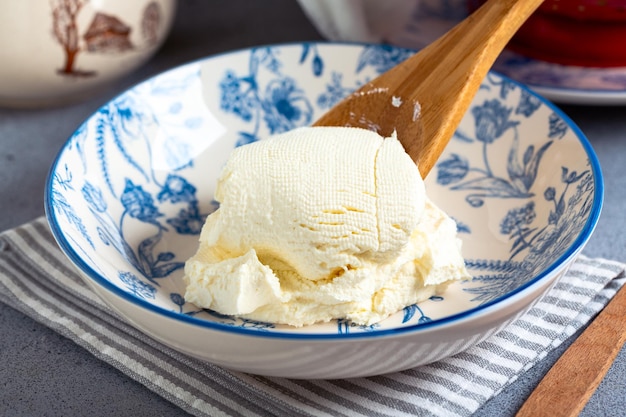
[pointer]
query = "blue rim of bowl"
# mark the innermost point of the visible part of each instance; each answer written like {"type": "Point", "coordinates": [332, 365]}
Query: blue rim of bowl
{"type": "Point", "coordinates": [573, 250]}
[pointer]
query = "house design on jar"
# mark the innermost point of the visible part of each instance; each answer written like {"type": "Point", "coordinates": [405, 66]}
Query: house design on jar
{"type": "Point", "coordinates": [106, 34]}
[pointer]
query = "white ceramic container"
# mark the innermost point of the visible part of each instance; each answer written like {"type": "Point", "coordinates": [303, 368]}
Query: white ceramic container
{"type": "Point", "coordinates": [59, 51]}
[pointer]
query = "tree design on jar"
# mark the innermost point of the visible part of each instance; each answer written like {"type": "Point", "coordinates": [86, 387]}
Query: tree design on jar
{"type": "Point", "coordinates": [150, 23]}
{"type": "Point", "coordinates": [65, 31]}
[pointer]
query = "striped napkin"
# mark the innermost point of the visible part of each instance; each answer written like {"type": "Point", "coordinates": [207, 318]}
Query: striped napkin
{"type": "Point", "coordinates": [37, 279]}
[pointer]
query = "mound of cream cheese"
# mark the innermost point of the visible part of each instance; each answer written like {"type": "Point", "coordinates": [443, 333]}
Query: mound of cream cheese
{"type": "Point", "coordinates": [322, 223]}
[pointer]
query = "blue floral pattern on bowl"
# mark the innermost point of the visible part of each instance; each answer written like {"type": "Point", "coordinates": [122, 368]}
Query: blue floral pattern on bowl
{"type": "Point", "coordinates": [130, 191]}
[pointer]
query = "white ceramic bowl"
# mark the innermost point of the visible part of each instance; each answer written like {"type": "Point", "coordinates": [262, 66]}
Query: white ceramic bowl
{"type": "Point", "coordinates": [128, 194]}
{"type": "Point", "coordinates": [58, 51]}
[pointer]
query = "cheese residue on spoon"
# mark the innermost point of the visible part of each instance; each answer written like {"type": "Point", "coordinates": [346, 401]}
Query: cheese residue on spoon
{"type": "Point", "coordinates": [322, 223]}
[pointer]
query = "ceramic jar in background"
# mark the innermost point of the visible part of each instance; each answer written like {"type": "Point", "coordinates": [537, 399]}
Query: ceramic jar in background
{"type": "Point", "coordinates": [54, 52]}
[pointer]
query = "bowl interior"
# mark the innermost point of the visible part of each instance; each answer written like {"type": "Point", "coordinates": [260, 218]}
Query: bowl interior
{"type": "Point", "coordinates": [129, 192]}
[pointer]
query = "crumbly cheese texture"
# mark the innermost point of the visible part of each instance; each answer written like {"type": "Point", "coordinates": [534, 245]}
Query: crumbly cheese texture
{"type": "Point", "coordinates": [322, 223]}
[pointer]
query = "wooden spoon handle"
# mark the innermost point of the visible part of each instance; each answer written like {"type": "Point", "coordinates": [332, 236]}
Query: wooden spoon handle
{"type": "Point", "coordinates": [445, 84]}
{"type": "Point", "coordinates": [425, 97]}
{"type": "Point", "coordinates": [567, 387]}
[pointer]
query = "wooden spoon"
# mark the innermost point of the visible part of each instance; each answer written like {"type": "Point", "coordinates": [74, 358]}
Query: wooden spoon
{"type": "Point", "coordinates": [570, 383]}
{"type": "Point", "coordinates": [424, 98]}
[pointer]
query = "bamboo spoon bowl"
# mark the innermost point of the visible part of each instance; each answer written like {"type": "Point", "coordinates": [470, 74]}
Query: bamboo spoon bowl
{"type": "Point", "coordinates": [424, 98]}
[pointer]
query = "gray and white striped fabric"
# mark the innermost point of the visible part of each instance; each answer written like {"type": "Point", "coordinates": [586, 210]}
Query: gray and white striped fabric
{"type": "Point", "coordinates": [37, 279]}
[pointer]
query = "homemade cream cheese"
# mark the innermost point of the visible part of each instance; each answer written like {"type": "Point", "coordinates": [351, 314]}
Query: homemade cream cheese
{"type": "Point", "coordinates": [321, 223]}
